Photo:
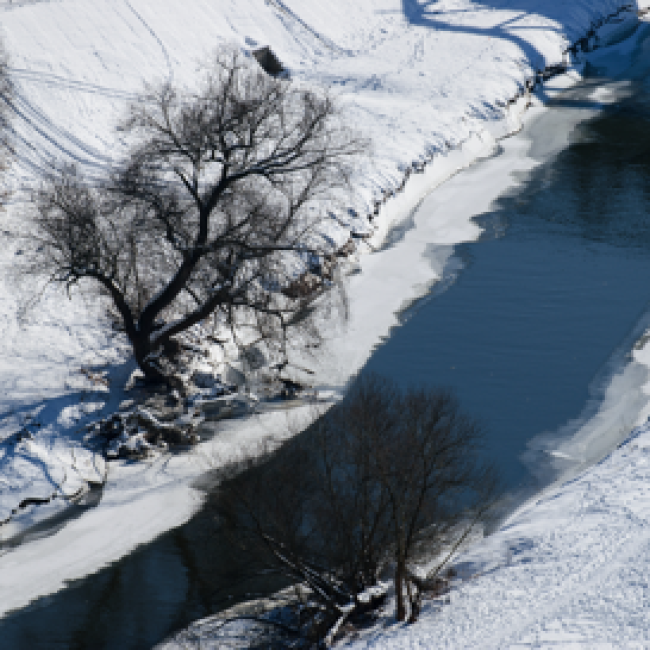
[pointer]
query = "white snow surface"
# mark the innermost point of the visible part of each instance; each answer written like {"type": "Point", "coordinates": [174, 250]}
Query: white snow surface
{"type": "Point", "coordinates": [423, 80]}
{"type": "Point", "coordinates": [569, 570]}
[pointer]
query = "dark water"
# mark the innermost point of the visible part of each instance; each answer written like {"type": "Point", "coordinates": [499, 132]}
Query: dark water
{"type": "Point", "coordinates": [187, 573]}
{"type": "Point", "coordinates": [557, 285]}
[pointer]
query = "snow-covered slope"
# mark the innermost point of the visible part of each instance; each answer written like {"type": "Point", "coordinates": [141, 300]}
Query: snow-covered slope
{"type": "Point", "coordinates": [571, 570]}
{"type": "Point", "coordinates": [418, 77]}
{"type": "Point", "coordinates": [426, 81]}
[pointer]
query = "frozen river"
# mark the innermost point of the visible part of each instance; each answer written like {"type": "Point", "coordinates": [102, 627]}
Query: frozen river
{"type": "Point", "coordinates": [535, 318]}
{"type": "Point", "coordinates": [529, 326]}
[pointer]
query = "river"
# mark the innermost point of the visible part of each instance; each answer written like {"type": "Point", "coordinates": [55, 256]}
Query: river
{"type": "Point", "coordinates": [529, 326]}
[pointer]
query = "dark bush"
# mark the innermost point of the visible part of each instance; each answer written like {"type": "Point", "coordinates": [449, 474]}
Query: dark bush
{"type": "Point", "coordinates": [386, 478]}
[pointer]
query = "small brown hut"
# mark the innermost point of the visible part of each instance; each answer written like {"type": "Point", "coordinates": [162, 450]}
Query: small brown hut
{"type": "Point", "coordinates": [269, 61]}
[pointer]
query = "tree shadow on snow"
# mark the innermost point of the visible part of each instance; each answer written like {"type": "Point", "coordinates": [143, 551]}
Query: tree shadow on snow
{"type": "Point", "coordinates": [64, 416]}
{"type": "Point", "coordinates": [57, 425]}
{"type": "Point", "coordinates": [425, 13]}
{"type": "Point", "coordinates": [430, 14]}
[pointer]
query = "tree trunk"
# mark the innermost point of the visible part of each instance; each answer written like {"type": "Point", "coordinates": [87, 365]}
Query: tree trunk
{"type": "Point", "coordinates": [400, 613]}
{"type": "Point", "coordinates": [414, 600]}
{"type": "Point", "coordinates": [142, 350]}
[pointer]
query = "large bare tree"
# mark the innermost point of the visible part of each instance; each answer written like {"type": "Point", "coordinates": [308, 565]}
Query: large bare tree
{"type": "Point", "coordinates": [209, 215]}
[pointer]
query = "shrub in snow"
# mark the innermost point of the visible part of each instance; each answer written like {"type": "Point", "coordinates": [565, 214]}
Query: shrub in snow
{"type": "Point", "coordinates": [136, 433]}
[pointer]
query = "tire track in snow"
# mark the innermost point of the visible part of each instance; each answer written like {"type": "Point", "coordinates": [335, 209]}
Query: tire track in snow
{"type": "Point", "coordinates": [8, 5]}
{"type": "Point", "coordinates": [57, 135]}
{"type": "Point", "coordinates": [58, 82]}
{"type": "Point", "coordinates": [170, 70]}
{"type": "Point", "coordinates": [36, 140]}
{"type": "Point", "coordinates": [331, 45]}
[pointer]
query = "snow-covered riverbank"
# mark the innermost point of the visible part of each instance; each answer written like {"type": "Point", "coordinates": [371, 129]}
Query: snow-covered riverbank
{"type": "Point", "coordinates": [419, 79]}
{"type": "Point", "coordinates": [570, 570]}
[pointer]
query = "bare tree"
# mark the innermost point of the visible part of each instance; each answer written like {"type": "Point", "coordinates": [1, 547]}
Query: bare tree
{"type": "Point", "coordinates": [425, 459]}
{"type": "Point", "coordinates": [208, 216]}
{"type": "Point", "coordinates": [383, 480]}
